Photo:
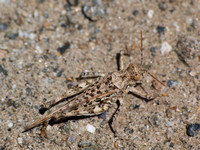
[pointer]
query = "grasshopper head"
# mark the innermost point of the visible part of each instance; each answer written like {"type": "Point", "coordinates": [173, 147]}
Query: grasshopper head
{"type": "Point", "coordinates": [134, 72]}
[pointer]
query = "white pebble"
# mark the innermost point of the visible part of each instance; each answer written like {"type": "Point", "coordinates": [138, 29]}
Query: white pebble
{"type": "Point", "coordinates": [176, 26]}
{"type": "Point", "coordinates": [35, 13]}
{"type": "Point", "coordinates": [14, 86]}
{"type": "Point", "coordinates": [21, 33]}
{"type": "Point", "coordinates": [38, 49]}
{"type": "Point", "coordinates": [90, 128]}
{"type": "Point", "coordinates": [63, 12]}
{"type": "Point", "coordinates": [10, 125]}
{"type": "Point", "coordinates": [150, 13]}
{"type": "Point", "coordinates": [189, 21]}
{"type": "Point", "coordinates": [32, 36]}
{"type": "Point", "coordinates": [165, 48]}
{"type": "Point", "coordinates": [19, 140]}
{"type": "Point", "coordinates": [169, 123]}
{"type": "Point", "coordinates": [193, 73]}
{"type": "Point", "coordinates": [49, 128]}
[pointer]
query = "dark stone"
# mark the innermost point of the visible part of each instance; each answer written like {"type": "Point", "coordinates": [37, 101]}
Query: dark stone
{"type": "Point", "coordinates": [11, 36]}
{"type": "Point", "coordinates": [72, 2]}
{"type": "Point", "coordinates": [84, 144]}
{"type": "Point", "coordinates": [171, 145]}
{"type": "Point", "coordinates": [62, 49]}
{"type": "Point", "coordinates": [172, 83]}
{"type": "Point", "coordinates": [3, 71]}
{"type": "Point", "coordinates": [161, 29]}
{"type": "Point", "coordinates": [93, 12]}
{"type": "Point", "coordinates": [42, 110]}
{"type": "Point", "coordinates": [13, 103]}
{"type": "Point", "coordinates": [59, 74]}
{"type": "Point", "coordinates": [192, 129]}
{"type": "Point", "coordinates": [163, 6]}
{"type": "Point", "coordinates": [2, 148]}
{"type": "Point", "coordinates": [131, 131]}
{"type": "Point", "coordinates": [3, 26]}
{"type": "Point", "coordinates": [135, 12]}
{"type": "Point", "coordinates": [45, 57]}
{"type": "Point", "coordinates": [136, 106]}
{"type": "Point", "coordinates": [28, 91]}
{"type": "Point", "coordinates": [79, 27]}
{"type": "Point", "coordinates": [153, 51]}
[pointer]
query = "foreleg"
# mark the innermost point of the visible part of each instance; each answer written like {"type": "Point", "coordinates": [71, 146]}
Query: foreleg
{"type": "Point", "coordinates": [142, 93]}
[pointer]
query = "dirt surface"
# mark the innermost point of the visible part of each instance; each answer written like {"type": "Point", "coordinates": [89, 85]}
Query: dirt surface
{"type": "Point", "coordinates": [44, 43]}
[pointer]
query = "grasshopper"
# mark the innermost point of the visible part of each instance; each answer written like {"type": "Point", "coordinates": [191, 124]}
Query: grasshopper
{"type": "Point", "coordinates": [101, 94]}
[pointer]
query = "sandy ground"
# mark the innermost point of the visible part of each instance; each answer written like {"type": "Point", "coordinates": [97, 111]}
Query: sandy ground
{"type": "Point", "coordinates": [44, 43]}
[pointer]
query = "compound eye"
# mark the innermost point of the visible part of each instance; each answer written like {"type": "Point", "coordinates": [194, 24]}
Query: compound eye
{"type": "Point", "coordinates": [137, 77]}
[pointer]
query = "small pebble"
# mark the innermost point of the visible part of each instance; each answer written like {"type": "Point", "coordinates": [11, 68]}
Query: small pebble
{"type": "Point", "coordinates": [62, 49]}
{"type": "Point", "coordinates": [172, 83]}
{"type": "Point", "coordinates": [176, 26]}
{"type": "Point", "coordinates": [189, 20]}
{"type": "Point", "coordinates": [19, 140]}
{"type": "Point", "coordinates": [35, 13]}
{"type": "Point", "coordinates": [3, 71]}
{"type": "Point", "coordinates": [90, 128]}
{"type": "Point", "coordinates": [71, 139]}
{"type": "Point", "coordinates": [28, 91]}
{"type": "Point", "coordinates": [163, 6]}
{"type": "Point", "coordinates": [14, 86]}
{"type": "Point", "coordinates": [171, 145]}
{"type": "Point", "coordinates": [135, 12]}
{"type": "Point", "coordinates": [72, 2]}
{"type": "Point", "coordinates": [192, 129]}
{"type": "Point", "coordinates": [32, 36]}
{"type": "Point", "coordinates": [12, 36]}
{"type": "Point", "coordinates": [150, 13]}
{"type": "Point", "coordinates": [165, 48]}
{"type": "Point", "coordinates": [38, 49]}
{"type": "Point", "coordinates": [136, 106]}
{"type": "Point", "coordinates": [160, 29]}
{"type": "Point", "coordinates": [156, 120]}
{"type": "Point", "coordinates": [193, 73]}
{"type": "Point", "coordinates": [188, 50]}
{"type": "Point", "coordinates": [153, 51]}
{"type": "Point", "coordinates": [59, 74]}
{"type": "Point", "coordinates": [13, 103]}
{"type": "Point", "coordinates": [23, 34]}
{"type": "Point", "coordinates": [49, 128]}
{"type": "Point", "coordinates": [84, 144]}
{"type": "Point", "coordinates": [169, 123]}
{"type": "Point", "coordinates": [93, 12]}
{"type": "Point", "coordinates": [3, 26]}
{"type": "Point", "coordinates": [10, 125]}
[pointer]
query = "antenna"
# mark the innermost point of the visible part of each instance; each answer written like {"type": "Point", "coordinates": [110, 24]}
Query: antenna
{"type": "Point", "coordinates": [156, 78]}
{"type": "Point", "coordinates": [141, 53]}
